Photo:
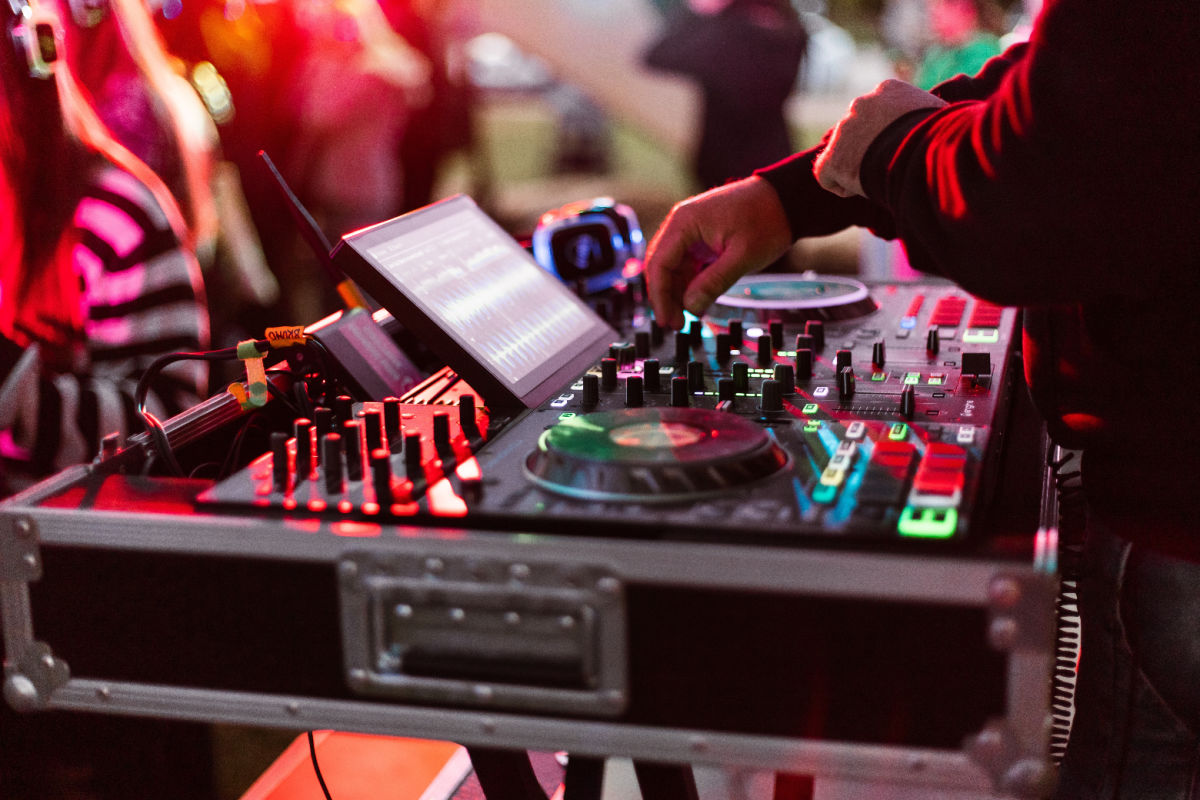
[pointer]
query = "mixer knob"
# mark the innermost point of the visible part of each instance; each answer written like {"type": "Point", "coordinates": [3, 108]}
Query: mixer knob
{"type": "Point", "coordinates": [816, 329]}
{"type": "Point", "coordinates": [466, 416]}
{"type": "Point", "coordinates": [695, 376]}
{"type": "Point", "coordinates": [877, 354]}
{"type": "Point", "coordinates": [679, 392]}
{"type": "Point", "coordinates": [683, 348]}
{"type": "Point", "coordinates": [304, 454]}
{"type": "Point", "coordinates": [846, 383]}
{"type": "Point", "coordinates": [641, 344]}
{"type": "Point", "coordinates": [741, 377]}
{"type": "Point", "coordinates": [608, 374]}
{"type": "Point", "coordinates": [978, 364]}
{"type": "Point", "coordinates": [322, 421]}
{"type": "Point", "coordinates": [771, 399]}
{"type": "Point", "coordinates": [842, 360]}
{"type": "Point", "coordinates": [650, 375]}
{"type": "Point", "coordinates": [932, 341]}
{"type": "Point", "coordinates": [441, 431]}
{"type": "Point", "coordinates": [373, 429]}
{"type": "Point", "coordinates": [724, 345]}
{"type": "Point", "coordinates": [414, 467]}
{"type": "Point", "coordinates": [786, 375]}
{"type": "Point", "coordinates": [393, 426]}
{"type": "Point", "coordinates": [725, 389]}
{"type": "Point", "coordinates": [775, 329]}
{"type": "Point", "coordinates": [331, 462]}
{"type": "Point", "coordinates": [381, 477]}
{"type": "Point", "coordinates": [696, 333]}
{"type": "Point", "coordinates": [804, 364]}
{"type": "Point", "coordinates": [352, 434]}
{"type": "Point", "coordinates": [634, 397]}
{"type": "Point", "coordinates": [591, 389]}
{"type": "Point", "coordinates": [736, 334]}
{"type": "Point", "coordinates": [626, 355]}
{"type": "Point", "coordinates": [766, 355]}
{"type": "Point", "coordinates": [343, 409]}
{"type": "Point", "coordinates": [656, 334]}
{"type": "Point", "coordinates": [804, 341]}
{"type": "Point", "coordinates": [279, 461]}
{"type": "Point", "coordinates": [908, 402]}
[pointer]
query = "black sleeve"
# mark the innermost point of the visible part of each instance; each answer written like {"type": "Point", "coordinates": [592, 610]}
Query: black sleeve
{"type": "Point", "coordinates": [1076, 178]}
{"type": "Point", "coordinates": [812, 211]}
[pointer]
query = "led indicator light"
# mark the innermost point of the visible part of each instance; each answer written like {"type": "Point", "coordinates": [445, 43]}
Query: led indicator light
{"type": "Point", "coordinates": [928, 523]}
{"type": "Point", "coordinates": [981, 335]}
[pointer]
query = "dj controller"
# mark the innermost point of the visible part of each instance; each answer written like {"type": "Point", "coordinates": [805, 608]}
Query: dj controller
{"type": "Point", "coordinates": [804, 533]}
{"type": "Point", "coordinates": [802, 405]}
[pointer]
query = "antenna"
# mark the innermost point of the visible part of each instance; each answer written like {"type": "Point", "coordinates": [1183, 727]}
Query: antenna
{"type": "Point", "coordinates": [315, 238]}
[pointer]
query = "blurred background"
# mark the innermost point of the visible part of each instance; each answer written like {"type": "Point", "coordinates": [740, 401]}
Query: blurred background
{"type": "Point", "coordinates": [374, 107]}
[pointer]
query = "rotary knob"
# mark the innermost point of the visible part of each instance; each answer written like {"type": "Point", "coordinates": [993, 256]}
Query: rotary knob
{"type": "Point", "coordinates": [816, 329]}
{"type": "Point", "coordinates": [766, 354]}
{"type": "Point", "coordinates": [634, 396]}
{"type": "Point", "coordinates": [679, 392]}
{"type": "Point", "coordinates": [771, 398]}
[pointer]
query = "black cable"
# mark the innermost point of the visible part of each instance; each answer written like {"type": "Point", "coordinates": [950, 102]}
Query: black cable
{"type": "Point", "coordinates": [154, 427]}
{"type": "Point", "coordinates": [312, 752]}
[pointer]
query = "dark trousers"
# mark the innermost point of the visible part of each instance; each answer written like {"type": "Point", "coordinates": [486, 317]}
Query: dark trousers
{"type": "Point", "coordinates": [1136, 732]}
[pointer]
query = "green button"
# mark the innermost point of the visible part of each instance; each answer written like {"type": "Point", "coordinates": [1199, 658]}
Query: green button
{"type": "Point", "coordinates": [566, 415]}
{"type": "Point", "coordinates": [928, 523]}
{"type": "Point", "coordinates": [824, 493]}
{"type": "Point", "coordinates": [810, 408]}
{"type": "Point", "coordinates": [937, 379]}
{"type": "Point", "coordinates": [981, 335]}
{"type": "Point", "coordinates": [912, 378]}
{"type": "Point", "coordinates": [879, 376]}
{"type": "Point", "coordinates": [898, 432]}
{"type": "Point", "coordinates": [812, 427]}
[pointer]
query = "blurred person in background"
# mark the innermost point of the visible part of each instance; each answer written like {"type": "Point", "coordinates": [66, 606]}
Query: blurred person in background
{"type": "Point", "coordinates": [438, 30]}
{"type": "Point", "coordinates": [347, 104]}
{"type": "Point", "coordinates": [96, 280]}
{"type": "Point", "coordinates": [966, 33]}
{"type": "Point", "coordinates": [745, 56]}
{"type": "Point", "coordinates": [141, 94]}
{"type": "Point", "coordinates": [98, 276]}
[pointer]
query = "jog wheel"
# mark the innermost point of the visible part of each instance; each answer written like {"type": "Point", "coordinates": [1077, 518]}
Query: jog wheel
{"type": "Point", "coordinates": [792, 299]}
{"type": "Point", "coordinates": [653, 455]}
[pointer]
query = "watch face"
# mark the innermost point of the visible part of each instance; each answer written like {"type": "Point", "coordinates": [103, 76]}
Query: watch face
{"type": "Point", "coordinates": [583, 250]}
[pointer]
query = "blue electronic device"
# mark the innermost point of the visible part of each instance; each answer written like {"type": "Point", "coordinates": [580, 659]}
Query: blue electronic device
{"type": "Point", "coordinates": [591, 245]}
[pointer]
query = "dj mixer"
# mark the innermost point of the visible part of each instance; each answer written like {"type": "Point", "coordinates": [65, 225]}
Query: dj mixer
{"type": "Point", "coordinates": [803, 406]}
{"type": "Point", "coordinates": [802, 534]}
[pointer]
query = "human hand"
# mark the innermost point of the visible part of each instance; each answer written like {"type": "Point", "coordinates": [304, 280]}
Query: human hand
{"type": "Point", "coordinates": [837, 168]}
{"type": "Point", "coordinates": [709, 241]}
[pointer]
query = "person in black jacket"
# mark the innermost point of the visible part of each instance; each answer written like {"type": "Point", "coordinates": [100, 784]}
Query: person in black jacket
{"type": "Point", "coordinates": [745, 55]}
{"type": "Point", "coordinates": [1063, 178]}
